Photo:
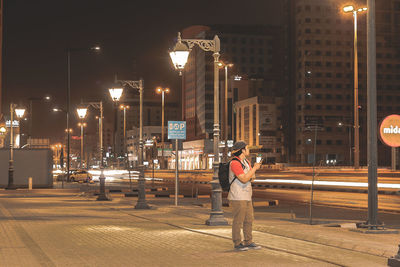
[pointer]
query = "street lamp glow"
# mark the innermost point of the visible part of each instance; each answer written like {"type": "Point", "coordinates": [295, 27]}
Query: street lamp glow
{"type": "Point", "coordinates": [20, 112]}
{"type": "Point", "coordinates": [348, 9]}
{"type": "Point", "coordinates": [3, 130]}
{"type": "Point", "coordinates": [179, 55]}
{"type": "Point", "coordinates": [82, 112]}
{"type": "Point", "coordinates": [124, 107]}
{"type": "Point", "coordinates": [96, 48]}
{"type": "Point", "coordinates": [116, 93]}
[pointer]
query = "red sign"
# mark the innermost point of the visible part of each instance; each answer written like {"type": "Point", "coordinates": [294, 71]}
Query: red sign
{"type": "Point", "coordinates": [74, 137]}
{"type": "Point", "coordinates": [389, 130]}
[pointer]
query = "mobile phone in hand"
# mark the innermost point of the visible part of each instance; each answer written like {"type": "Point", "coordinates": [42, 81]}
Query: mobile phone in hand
{"type": "Point", "coordinates": [260, 160]}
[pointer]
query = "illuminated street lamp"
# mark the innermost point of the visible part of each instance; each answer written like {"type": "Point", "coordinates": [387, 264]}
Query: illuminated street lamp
{"type": "Point", "coordinates": [179, 59]}
{"type": "Point", "coordinates": [162, 91]}
{"type": "Point", "coordinates": [81, 124]}
{"type": "Point", "coordinates": [3, 130]}
{"type": "Point", "coordinates": [225, 119]}
{"type": "Point", "coordinates": [139, 85]}
{"type": "Point", "coordinates": [348, 9]}
{"type": "Point", "coordinates": [20, 113]}
{"type": "Point", "coordinates": [82, 111]}
{"type": "Point", "coordinates": [179, 55]}
{"type": "Point", "coordinates": [115, 94]}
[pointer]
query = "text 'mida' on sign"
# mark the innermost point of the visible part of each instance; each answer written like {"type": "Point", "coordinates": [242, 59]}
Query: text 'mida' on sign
{"type": "Point", "coordinates": [389, 130]}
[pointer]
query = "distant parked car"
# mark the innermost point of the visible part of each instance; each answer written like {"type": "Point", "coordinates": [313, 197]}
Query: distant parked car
{"type": "Point", "coordinates": [63, 176]}
{"type": "Point", "coordinates": [80, 176]}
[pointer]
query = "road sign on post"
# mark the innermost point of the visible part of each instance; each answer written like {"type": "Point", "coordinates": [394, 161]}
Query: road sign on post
{"type": "Point", "coordinates": [176, 130]}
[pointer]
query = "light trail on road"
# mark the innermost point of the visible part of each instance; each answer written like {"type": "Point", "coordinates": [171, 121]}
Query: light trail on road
{"type": "Point", "coordinates": [327, 183]}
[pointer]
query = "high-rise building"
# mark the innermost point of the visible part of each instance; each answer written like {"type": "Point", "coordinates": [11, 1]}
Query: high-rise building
{"type": "Point", "coordinates": [320, 48]}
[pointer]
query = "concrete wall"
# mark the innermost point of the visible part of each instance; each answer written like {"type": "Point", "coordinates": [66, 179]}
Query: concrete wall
{"type": "Point", "coordinates": [35, 163]}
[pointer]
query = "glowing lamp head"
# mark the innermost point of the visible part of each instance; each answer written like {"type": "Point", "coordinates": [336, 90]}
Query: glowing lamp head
{"type": "Point", "coordinates": [179, 55]}
{"type": "Point", "coordinates": [82, 112]}
{"type": "Point", "coordinates": [159, 90]}
{"type": "Point", "coordinates": [348, 9]}
{"type": "Point", "coordinates": [3, 130]}
{"type": "Point", "coordinates": [166, 90]}
{"type": "Point", "coordinates": [20, 112]}
{"type": "Point", "coordinates": [115, 93]}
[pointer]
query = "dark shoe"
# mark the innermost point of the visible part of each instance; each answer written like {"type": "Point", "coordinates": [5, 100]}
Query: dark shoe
{"type": "Point", "coordinates": [253, 246]}
{"type": "Point", "coordinates": [241, 247]}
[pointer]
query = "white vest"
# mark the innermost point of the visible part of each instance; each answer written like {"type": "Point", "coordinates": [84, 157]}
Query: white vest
{"type": "Point", "coordinates": [239, 190]}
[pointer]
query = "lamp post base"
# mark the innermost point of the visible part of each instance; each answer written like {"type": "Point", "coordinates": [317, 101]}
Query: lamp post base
{"type": "Point", "coordinates": [216, 219]}
{"type": "Point", "coordinates": [141, 203]}
{"type": "Point", "coordinates": [395, 261]}
{"type": "Point", "coordinates": [102, 196]}
{"type": "Point", "coordinates": [216, 214]}
{"type": "Point", "coordinates": [11, 185]}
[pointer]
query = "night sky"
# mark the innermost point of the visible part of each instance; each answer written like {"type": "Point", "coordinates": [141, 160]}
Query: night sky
{"type": "Point", "coordinates": [134, 35]}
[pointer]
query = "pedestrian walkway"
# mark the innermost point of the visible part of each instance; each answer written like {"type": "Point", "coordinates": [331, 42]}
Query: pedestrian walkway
{"type": "Point", "coordinates": [71, 228]}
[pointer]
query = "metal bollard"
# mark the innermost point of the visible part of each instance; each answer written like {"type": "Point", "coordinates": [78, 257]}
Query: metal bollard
{"type": "Point", "coordinates": [30, 183]}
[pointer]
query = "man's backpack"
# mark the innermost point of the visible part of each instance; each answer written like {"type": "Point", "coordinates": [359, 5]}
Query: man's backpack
{"type": "Point", "coordinates": [223, 175]}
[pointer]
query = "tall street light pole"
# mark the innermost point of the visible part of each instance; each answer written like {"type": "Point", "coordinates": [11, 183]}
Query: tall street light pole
{"type": "Point", "coordinates": [139, 85]}
{"type": "Point", "coordinates": [69, 51]}
{"type": "Point", "coordinates": [372, 222]}
{"type": "Point", "coordinates": [20, 113]}
{"type": "Point", "coordinates": [124, 108]}
{"type": "Point", "coordinates": [115, 94]}
{"type": "Point", "coordinates": [82, 111]}
{"type": "Point", "coordinates": [161, 91]}
{"type": "Point", "coordinates": [68, 131]}
{"type": "Point", "coordinates": [179, 57]}
{"type": "Point", "coordinates": [82, 125]}
{"type": "Point", "coordinates": [225, 120]}
{"type": "Point", "coordinates": [351, 9]}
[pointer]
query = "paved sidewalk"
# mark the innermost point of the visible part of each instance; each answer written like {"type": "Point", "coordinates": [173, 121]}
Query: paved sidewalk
{"type": "Point", "coordinates": [70, 228]}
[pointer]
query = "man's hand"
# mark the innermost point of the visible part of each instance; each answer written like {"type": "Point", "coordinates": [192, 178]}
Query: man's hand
{"type": "Point", "coordinates": [257, 166]}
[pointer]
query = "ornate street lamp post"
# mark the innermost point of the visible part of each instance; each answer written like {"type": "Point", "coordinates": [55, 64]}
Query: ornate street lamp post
{"type": "Point", "coordinates": [115, 94]}
{"type": "Point", "coordinates": [81, 114]}
{"type": "Point", "coordinates": [179, 58]}
{"type": "Point", "coordinates": [20, 113]}
{"type": "Point", "coordinates": [139, 85]}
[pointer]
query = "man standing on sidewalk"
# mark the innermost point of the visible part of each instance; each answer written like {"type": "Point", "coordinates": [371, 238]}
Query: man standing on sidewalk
{"type": "Point", "coordinates": [240, 176]}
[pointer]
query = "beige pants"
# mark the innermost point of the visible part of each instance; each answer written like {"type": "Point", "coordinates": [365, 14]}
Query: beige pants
{"type": "Point", "coordinates": [242, 211]}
